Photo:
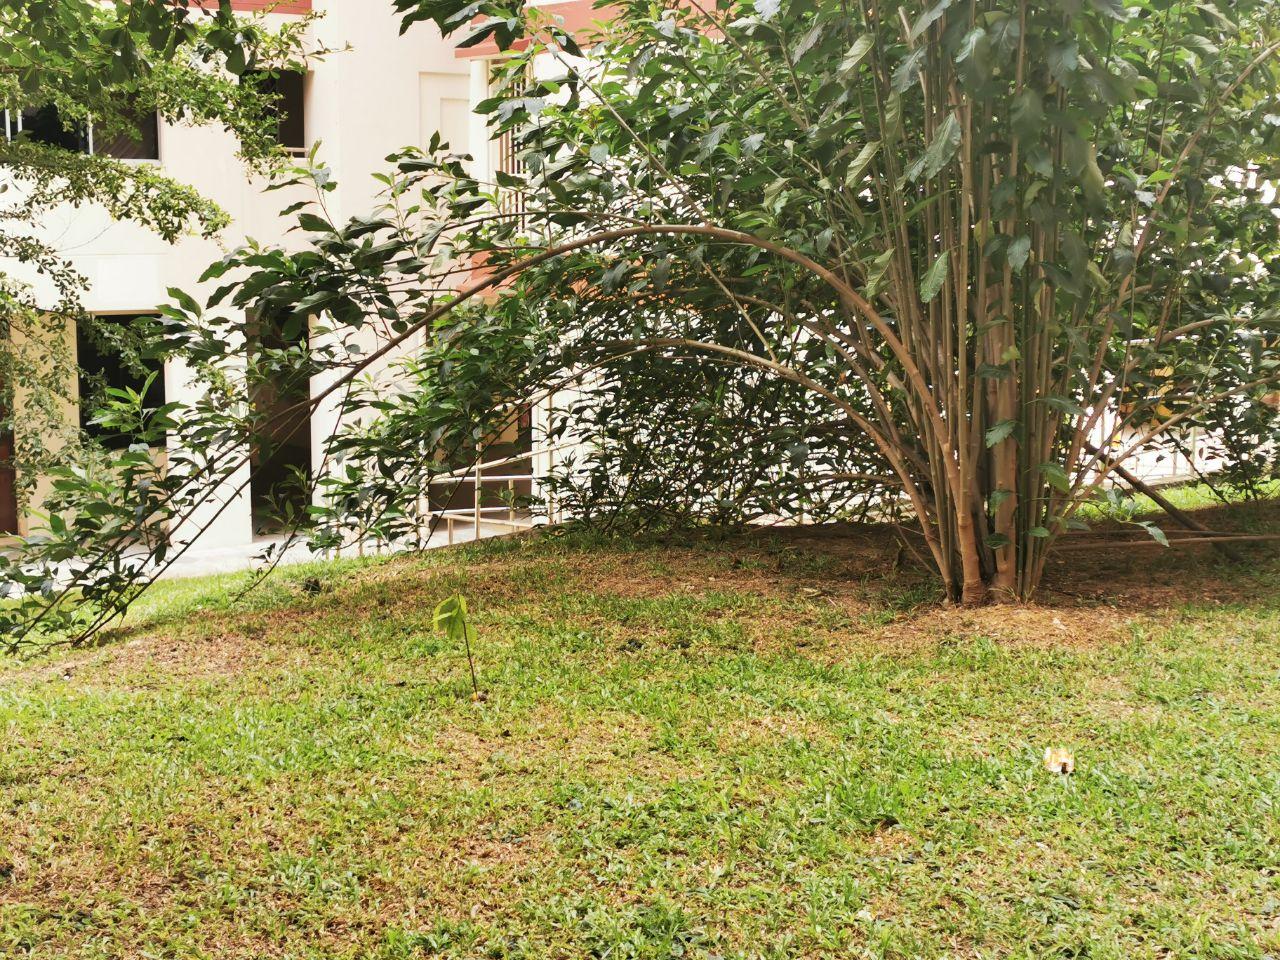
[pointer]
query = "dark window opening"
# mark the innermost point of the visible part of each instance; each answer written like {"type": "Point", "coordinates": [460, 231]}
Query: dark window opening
{"type": "Point", "coordinates": [103, 365]}
{"type": "Point", "coordinates": [287, 90]}
{"type": "Point", "coordinates": [8, 481]}
{"type": "Point", "coordinates": [140, 142]}
{"type": "Point", "coordinates": [44, 125]}
{"type": "Point", "coordinates": [280, 458]}
{"type": "Point", "coordinates": [509, 481]}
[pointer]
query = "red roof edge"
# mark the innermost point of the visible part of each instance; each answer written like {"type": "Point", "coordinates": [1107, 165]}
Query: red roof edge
{"type": "Point", "coordinates": [576, 17]}
{"type": "Point", "coordinates": [273, 6]}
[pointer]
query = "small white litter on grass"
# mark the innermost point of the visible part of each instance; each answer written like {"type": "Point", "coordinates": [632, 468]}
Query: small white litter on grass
{"type": "Point", "coordinates": [1059, 760]}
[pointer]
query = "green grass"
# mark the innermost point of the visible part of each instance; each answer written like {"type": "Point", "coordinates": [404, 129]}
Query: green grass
{"type": "Point", "coordinates": [766, 747]}
{"type": "Point", "coordinates": [1187, 496]}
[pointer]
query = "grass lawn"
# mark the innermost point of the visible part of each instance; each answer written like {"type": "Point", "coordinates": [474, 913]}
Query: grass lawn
{"type": "Point", "coordinates": [777, 745]}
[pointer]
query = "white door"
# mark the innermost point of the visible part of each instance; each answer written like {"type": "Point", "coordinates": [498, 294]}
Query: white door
{"type": "Point", "coordinates": [444, 106]}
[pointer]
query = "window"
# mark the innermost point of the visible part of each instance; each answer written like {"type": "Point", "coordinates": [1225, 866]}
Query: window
{"type": "Point", "coordinates": [8, 482]}
{"type": "Point", "coordinates": [142, 142]}
{"type": "Point", "coordinates": [103, 366]}
{"type": "Point", "coordinates": [287, 88]}
{"type": "Point", "coordinates": [44, 125]}
{"type": "Point", "coordinates": [280, 457]}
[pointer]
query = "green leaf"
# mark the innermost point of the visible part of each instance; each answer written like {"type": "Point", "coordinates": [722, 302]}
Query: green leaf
{"type": "Point", "coordinates": [875, 276]}
{"type": "Point", "coordinates": [905, 74]}
{"type": "Point", "coordinates": [1027, 114]}
{"type": "Point", "coordinates": [969, 44]}
{"type": "Point", "coordinates": [1064, 60]}
{"type": "Point", "coordinates": [1056, 476]}
{"type": "Point", "coordinates": [1039, 532]}
{"type": "Point", "coordinates": [860, 162]}
{"type": "Point", "coordinates": [185, 300]}
{"type": "Point", "coordinates": [1065, 405]}
{"type": "Point", "coordinates": [1005, 32]}
{"type": "Point", "coordinates": [1155, 532]}
{"type": "Point", "coordinates": [945, 143]}
{"type": "Point", "coordinates": [861, 47]}
{"type": "Point", "coordinates": [660, 273]}
{"type": "Point", "coordinates": [1019, 250]}
{"type": "Point", "coordinates": [236, 60]}
{"type": "Point", "coordinates": [712, 140]}
{"type": "Point", "coordinates": [1091, 179]}
{"type": "Point", "coordinates": [927, 19]}
{"type": "Point", "coordinates": [891, 124]}
{"type": "Point", "coordinates": [1001, 431]}
{"type": "Point", "coordinates": [1112, 8]}
{"type": "Point", "coordinates": [998, 497]}
{"type": "Point", "coordinates": [935, 277]}
{"type": "Point", "coordinates": [807, 43]}
{"type": "Point", "coordinates": [313, 224]}
{"type": "Point", "coordinates": [450, 618]}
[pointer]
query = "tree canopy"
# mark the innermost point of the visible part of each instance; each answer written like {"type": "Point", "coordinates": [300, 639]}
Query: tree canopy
{"type": "Point", "coordinates": [71, 70]}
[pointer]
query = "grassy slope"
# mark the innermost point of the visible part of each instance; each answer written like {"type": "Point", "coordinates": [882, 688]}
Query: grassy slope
{"type": "Point", "coordinates": [768, 747]}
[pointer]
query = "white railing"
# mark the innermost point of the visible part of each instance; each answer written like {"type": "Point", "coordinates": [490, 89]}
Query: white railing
{"type": "Point", "coordinates": [485, 475]}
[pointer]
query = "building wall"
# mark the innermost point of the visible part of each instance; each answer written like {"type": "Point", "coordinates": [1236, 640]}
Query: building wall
{"type": "Point", "coordinates": [385, 92]}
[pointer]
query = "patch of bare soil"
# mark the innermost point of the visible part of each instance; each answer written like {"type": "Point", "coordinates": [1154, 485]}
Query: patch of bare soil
{"type": "Point", "coordinates": [156, 658]}
{"type": "Point", "coordinates": [1089, 595]}
{"type": "Point", "coordinates": [857, 587]}
{"type": "Point", "coordinates": [1114, 564]}
{"type": "Point", "coordinates": [1009, 624]}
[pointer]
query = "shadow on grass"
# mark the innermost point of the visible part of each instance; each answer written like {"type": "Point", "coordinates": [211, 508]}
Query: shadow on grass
{"type": "Point", "coordinates": [832, 578]}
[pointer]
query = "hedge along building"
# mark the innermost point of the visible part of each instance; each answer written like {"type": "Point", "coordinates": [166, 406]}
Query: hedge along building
{"type": "Point", "coordinates": [381, 92]}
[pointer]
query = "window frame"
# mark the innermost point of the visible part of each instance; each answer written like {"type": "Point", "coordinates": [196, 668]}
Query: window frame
{"type": "Point", "coordinates": [280, 106]}
{"type": "Point", "coordinates": [13, 126]}
{"type": "Point", "coordinates": [121, 442]}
